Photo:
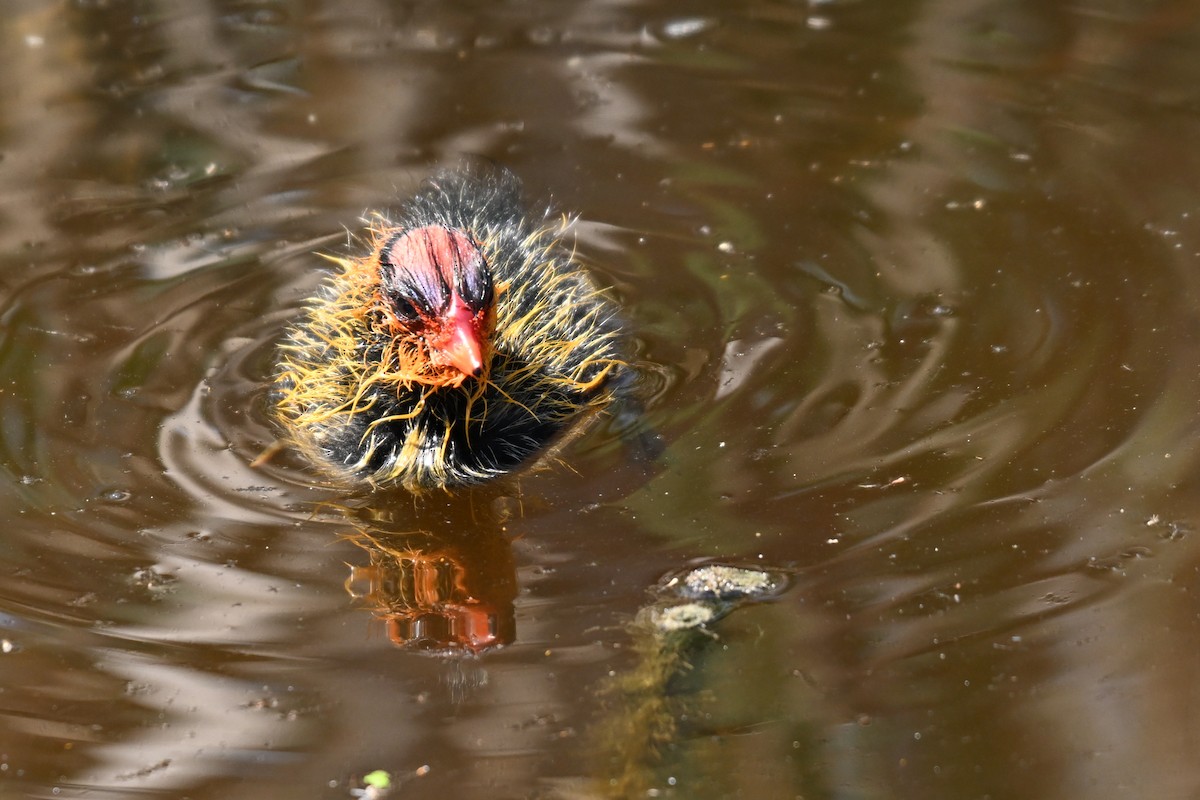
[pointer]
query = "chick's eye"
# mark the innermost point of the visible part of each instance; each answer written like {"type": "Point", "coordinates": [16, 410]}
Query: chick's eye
{"type": "Point", "coordinates": [404, 309]}
{"type": "Point", "coordinates": [404, 282]}
{"type": "Point", "coordinates": [475, 286]}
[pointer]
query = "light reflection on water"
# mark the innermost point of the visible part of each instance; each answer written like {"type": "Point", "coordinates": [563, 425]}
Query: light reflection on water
{"type": "Point", "coordinates": [915, 290]}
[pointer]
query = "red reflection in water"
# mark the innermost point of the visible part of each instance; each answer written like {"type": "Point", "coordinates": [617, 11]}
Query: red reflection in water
{"type": "Point", "coordinates": [438, 596]}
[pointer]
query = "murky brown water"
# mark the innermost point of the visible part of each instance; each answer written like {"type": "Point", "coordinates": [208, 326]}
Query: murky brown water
{"type": "Point", "coordinates": [916, 285]}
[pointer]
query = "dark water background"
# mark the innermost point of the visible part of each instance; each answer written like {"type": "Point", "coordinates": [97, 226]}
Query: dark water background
{"type": "Point", "coordinates": [917, 285]}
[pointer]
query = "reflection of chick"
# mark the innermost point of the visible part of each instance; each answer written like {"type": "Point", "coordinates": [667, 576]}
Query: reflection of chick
{"type": "Point", "coordinates": [461, 344]}
{"type": "Point", "coordinates": [440, 596]}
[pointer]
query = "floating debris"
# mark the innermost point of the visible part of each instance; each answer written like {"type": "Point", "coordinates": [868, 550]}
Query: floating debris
{"type": "Point", "coordinates": [380, 783]}
{"type": "Point", "coordinates": [682, 616]}
{"type": "Point", "coordinates": [725, 582]}
{"type": "Point", "coordinates": [646, 703]}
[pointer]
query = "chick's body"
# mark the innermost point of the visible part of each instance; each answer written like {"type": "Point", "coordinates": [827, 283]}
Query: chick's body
{"type": "Point", "coordinates": [464, 342]}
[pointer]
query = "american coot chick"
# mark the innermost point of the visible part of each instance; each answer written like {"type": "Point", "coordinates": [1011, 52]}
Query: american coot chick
{"type": "Point", "coordinates": [461, 344]}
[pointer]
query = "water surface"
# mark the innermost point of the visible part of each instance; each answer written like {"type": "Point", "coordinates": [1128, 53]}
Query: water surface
{"type": "Point", "coordinates": [914, 287]}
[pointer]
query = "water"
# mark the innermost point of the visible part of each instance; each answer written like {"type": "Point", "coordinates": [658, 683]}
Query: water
{"type": "Point", "coordinates": [914, 287]}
